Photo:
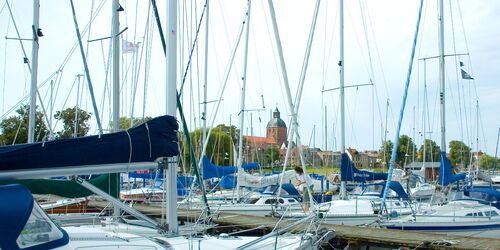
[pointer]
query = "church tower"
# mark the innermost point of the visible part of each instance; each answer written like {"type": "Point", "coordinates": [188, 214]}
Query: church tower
{"type": "Point", "coordinates": [276, 128]}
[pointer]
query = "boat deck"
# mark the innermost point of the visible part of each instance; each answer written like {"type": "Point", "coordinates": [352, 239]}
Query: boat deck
{"type": "Point", "coordinates": [352, 234]}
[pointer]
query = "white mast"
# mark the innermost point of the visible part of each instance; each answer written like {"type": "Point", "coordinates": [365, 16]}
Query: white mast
{"type": "Point", "coordinates": [171, 109]}
{"type": "Point", "coordinates": [204, 115]}
{"type": "Point", "coordinates": [441, 76]}
{"type": "Point", "coordinates": [115, 29]}
{"type": "Point", "coordinates": [34, 71]}
{"type": "Point", "coordinates": [242, 99]}
{"type": "Point", "coordinates": [342, 101]}
{"type": "Point", "coordinates": [243, 89]}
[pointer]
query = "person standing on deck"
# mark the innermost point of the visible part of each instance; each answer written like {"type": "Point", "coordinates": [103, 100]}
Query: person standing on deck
{"type": "Point", "coordinates": [306, 184]}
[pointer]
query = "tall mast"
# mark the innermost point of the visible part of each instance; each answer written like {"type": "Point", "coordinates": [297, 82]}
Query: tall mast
{"type": "Point", "coordinates": [115, 29]}
{"type": "Point", "coordinates": [34, 71]}
{"type": "Point", "coordinates": [441, 76]}
{"type": "Point", "coordinates": [204, 115]}
{"type": "Point", "coordinates": [243, 89]}
{"type": "Point", "coordinates": [171, 108]}
{"type": "Point", "coordinates": [342, 101]}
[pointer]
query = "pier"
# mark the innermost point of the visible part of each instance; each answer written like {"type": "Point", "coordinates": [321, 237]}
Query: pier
{"type": "Point", "coordinates": [352, 235]}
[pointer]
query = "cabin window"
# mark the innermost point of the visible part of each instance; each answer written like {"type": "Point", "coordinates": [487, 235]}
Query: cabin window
{"type": "Point", "coordinates": [480, 214]}
{"type": "Point", "coordinates": [270, 201]}
{"type": "Point", "coordinates": [397, 204]}
{"type": "Point", "coordinates": [291, 200]}
{"type": "Point", "coordinates": [252, 201]}
{"type": "Point", "coordinates": [39, 229]}
{"type": "Point", "coordinates": [490, 213]}
{"type": "Point", "coordinates": [281, 201]}
{"type": "Point", "coordinates": [469, 214]}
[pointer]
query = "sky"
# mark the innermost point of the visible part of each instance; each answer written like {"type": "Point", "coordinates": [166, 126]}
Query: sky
{"type": "Point", "coordinates": [378, 42]}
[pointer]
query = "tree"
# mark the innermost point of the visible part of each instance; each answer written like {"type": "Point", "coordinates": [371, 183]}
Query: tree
{"type": "Point", "coordinates": [406, 147]}
{"type": "Point", "coordinates": [432, 151]}
{"type": "Point", "coordinates": [15, 128]}
{"type": "Point", "coordinates": [232, 131]}
{"type": "Point", "coordinates": [406, 150]}
{"type": "Point", "coordinates": [386, 151]}
{"type": "Point", "coordinates": [126, 122]}
{"type": "Point", "coordinates": [219, 148]}
{"type": "Point", "coordinates": [67, 117]}
{"type": "Point", "coordinates": [459, 153]}
{"type": "Point", "coordinates": [272, 155]}
{"type": "Point", "coordinates": [488, 161]}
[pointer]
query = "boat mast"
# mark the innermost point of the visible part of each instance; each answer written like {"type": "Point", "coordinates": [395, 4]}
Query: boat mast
{"type": "Point", "coordinates": [171, 102]}
{"type": "Point", "coordinates": [115, 29]}
{"type": "Point", "coordinates": [441, 76]}
{"type": "Point", "coordinates": [342, 100]}
{"type": "Point", "coordinates": [242, 99]}
{"type": "Point", "coordinates": [115, 71]}
{"type": "Point", "coordinates": [204, 114]}
{"type": "Point", "coordinates": [34, 71]}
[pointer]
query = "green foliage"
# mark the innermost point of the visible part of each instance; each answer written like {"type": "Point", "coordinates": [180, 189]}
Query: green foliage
{"type": "Point", "coordinates": [232, 131]}
{"type": "Point", "coordinates": [406, 150]}
{"type": "Point", "coordinates": [127, 122]}
{"type": "Point", "coordinates": [272, 155]}
{"type": "Point", "coordinates": [67, 117]}
{"type": "Point", "coordinates": [432, 151]}
{"type": "Point", "coordinates": [488, 162]}
{"type": "Point", "coordinates": [15, 128]}
{"type": "Point", "coordinates": [219, 147]}
{"type": "Point", "coordinates": [404, 155]}
{"type": "Point", "coordinates": [459, 153]}
{"type": "Point", "coordinates": [385, 152]}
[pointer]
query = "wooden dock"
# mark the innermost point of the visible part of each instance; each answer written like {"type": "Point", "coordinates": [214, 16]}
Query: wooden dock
{"type": "Point", "coordinates": [352, 234]}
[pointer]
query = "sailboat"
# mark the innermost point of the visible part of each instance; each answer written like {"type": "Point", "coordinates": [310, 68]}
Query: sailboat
{"type": "Point", "coordinates": [153, 144]}
{"type": "Point", "coordinates": [455, 217]}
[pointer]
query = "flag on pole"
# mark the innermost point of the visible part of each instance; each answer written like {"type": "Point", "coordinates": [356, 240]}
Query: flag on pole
{"type": "Point", "coordinates": [128, 47]}
{"type": "Point", "coordinates": [466, 76]}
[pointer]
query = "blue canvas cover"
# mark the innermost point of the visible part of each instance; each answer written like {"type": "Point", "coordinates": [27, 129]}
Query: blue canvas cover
{"type": "Point", "coordinates": [228, 182]}
{"type": "Point", "coordinates": [350, 173]}
{"type": "Point", "coordinates": [143, 143]}
{"type": "Point", "coordinates": [16, 206]}
{"type": "Point", "coordinates": [210, 170]}
{"type": "Point", "coordinates": [446, 175]}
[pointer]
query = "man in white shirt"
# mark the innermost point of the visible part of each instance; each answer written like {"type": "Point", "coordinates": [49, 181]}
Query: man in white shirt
{"type": "Point", "coordinates": [306, 184]}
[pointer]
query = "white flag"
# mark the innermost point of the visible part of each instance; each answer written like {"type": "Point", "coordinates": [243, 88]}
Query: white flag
{"type": "Point", "coordinates": [128, 47]}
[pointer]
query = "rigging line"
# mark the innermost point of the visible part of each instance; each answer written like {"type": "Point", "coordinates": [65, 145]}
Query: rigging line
{"type": "Point", "coordinates": [5, 63]}
{"type": "Point", "coordinates": [90, 27]}
{"type": "Point", "coordinates": [357, 41]}
{"type": "Point", "coordinates": [133, 82]}
{"type": "Point", "coordinates": [147, 63]}
{"type": "Point", "coordinates": [401, 114]}
{"type": "Point", "coordinates": [89, 81]}
{"type": "Point", "coordinates": [26, 96]}
{"type": "Point", "coordinates": [274, 52]}
{"type": "Point", "coordinates": [384, 80]}
{"type": "Point", "coordinates": [224, 83]}
{"type": "Point", "coordinates": [18, 36]}
{"type": "Point", "coordinates": [456, 73]}
{"type": "Point", "coordinates": [191, 51]}
{"type": "Point", "coordinates": [181, 113]}
{"type": "Point", "coordinates": [138, 67]}
{"type": "Point", "coordinates": [67, 98]}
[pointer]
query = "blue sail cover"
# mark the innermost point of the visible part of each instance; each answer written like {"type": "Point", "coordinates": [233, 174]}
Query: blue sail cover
{"type": "Point", "coordinates": [446, 175]}
{"type": "Point", "coordinates": [143, 143]}
{"type": "Point", "coordinates": [350, 173]}
{"type": "Point", "coordinates": [210, 170]}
